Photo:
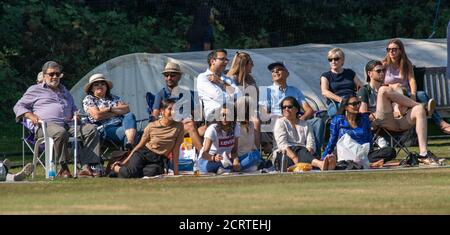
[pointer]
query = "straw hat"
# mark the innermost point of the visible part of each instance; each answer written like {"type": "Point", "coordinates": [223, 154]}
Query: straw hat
{"type": "Point", "coordinates": [172, 68]}
{"type": "Point", "coordinates": [95, 78]}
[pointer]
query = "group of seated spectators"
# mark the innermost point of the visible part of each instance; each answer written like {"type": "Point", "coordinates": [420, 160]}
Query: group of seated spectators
{"type": "Point", "coordinates": [239, 119]}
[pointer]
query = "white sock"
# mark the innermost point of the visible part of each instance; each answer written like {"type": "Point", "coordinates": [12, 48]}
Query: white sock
{"type": "Point", "coordinates": [423, 154]}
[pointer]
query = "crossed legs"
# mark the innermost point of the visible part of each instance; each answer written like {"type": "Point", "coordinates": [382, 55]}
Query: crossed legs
{"type": "Point", "coordinates": [415, 115]}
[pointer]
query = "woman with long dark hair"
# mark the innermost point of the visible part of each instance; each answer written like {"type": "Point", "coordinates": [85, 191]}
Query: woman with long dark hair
{"type": "Point", "coordinates": [150, 156]}
{"type": "Point", "coordinates": [400, 74]}
{"type": "Point", "coordinates": [349, 120]}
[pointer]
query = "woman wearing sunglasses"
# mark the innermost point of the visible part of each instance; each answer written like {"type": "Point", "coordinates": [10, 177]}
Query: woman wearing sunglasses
{"type": "Point", "coordinates": [339, 82]}
{"type": "Point", "coordinates": [294, 137]}
{"type": "Point", "coordinates": [400, 74]}
{"type": "Point", "coordinates": [357, 125]}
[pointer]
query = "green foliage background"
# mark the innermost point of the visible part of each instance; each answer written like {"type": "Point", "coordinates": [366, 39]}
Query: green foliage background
{"type": "Point", "coordinates": [83, 34]}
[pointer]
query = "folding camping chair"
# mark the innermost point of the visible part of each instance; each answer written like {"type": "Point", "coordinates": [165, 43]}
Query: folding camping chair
{"type": "Point", "coordinates": [396, 140]}
{"type": "Point", "coordinates": [150, 98]}
{"type": "Point", "coordinates": [43, 146]}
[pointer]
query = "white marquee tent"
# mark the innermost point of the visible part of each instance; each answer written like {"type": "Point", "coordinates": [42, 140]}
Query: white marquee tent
{"type": "Point", "coordinates": [135, 74]}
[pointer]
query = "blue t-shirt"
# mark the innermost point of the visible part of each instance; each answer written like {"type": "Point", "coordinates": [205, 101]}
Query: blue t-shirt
{"type": "Point", "coordinates": [341, 84]}
{"type": "Point", "coordinates": [339, 126]}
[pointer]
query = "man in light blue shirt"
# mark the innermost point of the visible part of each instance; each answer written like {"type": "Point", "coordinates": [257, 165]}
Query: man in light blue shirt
{"type": "Point", "coordinates": [279, 90]}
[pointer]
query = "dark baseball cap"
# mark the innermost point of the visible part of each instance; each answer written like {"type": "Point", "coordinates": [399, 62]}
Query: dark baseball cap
{"type": "Point", "coordinates": [278, 63]}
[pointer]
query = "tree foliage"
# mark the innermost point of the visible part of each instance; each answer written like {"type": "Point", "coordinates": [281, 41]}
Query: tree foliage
{"type": "Point", "coordinates": [83, 34]}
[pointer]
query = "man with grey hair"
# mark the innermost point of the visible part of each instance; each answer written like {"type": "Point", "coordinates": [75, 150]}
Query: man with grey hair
{"type": "Point", "coordinates": [51, 102]}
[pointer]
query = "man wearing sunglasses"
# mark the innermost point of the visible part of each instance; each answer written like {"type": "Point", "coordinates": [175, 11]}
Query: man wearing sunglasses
{"type": "Point", "coordinates": [172, 75]}
{"type": "Point", "coordinates": [377, 100]}
{"type": "Point", "coordinates": [277, 92]}
{"type": "Point", "coordinates": [51, 102]}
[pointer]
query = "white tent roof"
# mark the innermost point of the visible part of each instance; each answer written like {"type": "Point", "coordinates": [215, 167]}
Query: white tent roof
{"type": "Point", "coordinates": [135, 74]}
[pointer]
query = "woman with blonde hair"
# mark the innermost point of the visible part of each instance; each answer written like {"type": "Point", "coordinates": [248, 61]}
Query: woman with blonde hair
{"type": "Point", "coordinates": [400, 75]}
{"type": "Point", "coordinates": [241, 68]}
{"type": "Point", "coordinates": [339, 82]}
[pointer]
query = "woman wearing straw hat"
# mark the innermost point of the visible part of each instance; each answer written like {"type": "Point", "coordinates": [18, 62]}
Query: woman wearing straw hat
{"type": "Point", "coordinates": [110, 111]}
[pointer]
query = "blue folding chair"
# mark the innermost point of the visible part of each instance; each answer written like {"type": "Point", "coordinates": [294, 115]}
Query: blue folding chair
{"type": "Point", "coordinates": [150, 98]}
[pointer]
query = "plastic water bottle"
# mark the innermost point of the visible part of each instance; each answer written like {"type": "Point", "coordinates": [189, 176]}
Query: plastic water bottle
{"type": "Point", "coordinates": [196, 167]}
{"type": "Point", "coordinates": [52, 171]}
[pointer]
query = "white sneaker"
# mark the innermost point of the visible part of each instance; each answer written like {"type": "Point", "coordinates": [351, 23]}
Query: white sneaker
{"type": "Point", "coordinates": [24, 173]}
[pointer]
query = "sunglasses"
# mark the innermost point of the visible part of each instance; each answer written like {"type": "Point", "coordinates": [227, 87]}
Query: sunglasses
{"type": "Point", "coordinates": [393, 49]}
{"type": "Point", "coordinates": [333, 59]}
{"type": "Point", "coordinates": [288, 107]}
{"type": "Point", "coordinates": [222, 59]}
{"type": "Point", "coordinates": [170, 74]}
{"type": "Point", "coordinates": [54, 74]}
{"type": "Point", "coordinates": [379, 70]}
{"type": "Point", "coordinates": [356, 103]}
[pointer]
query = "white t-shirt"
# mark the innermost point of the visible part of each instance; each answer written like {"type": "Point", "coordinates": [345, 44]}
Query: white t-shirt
{"type": "Point", "coordinates": [221, 142]}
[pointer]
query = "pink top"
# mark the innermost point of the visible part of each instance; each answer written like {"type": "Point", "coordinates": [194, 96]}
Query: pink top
{"type": "Point", "coordinates": [393, 76]}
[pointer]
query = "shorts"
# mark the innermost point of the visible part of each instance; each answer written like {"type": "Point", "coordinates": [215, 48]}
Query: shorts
{"type": "Point", "coordinates": [387, 120]}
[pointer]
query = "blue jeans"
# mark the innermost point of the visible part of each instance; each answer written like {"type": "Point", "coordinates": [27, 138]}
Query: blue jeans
{"type": "Point", "coordinates": [332, 109]}
{"type": "Point", "coordinates": [209, 166]}
{"type": "Point", "coordinates": [250, 159]}
{"type": "Point", "coordinates": [422, 97]}
{"type": "Point", "coordinates": [318, 127]}
{"type": "Point", "coordinates": [116, 133]}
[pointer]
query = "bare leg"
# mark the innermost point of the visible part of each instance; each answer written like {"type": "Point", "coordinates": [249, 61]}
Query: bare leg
{"type": "Point", "coordinates": [418, 116]}
{"type": "Point", "coordinates": [323, 165]}
{"type": "Point", "coordinates": [388, 95]}
{"type": "Point", "coordinates": [130, 133]}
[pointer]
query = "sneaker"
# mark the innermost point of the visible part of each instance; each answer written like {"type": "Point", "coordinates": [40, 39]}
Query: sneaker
{"type": "Point", "coordinates": [430, 159]}
{"type": "Point", "coordinates": [24, 173]}
{"type": "Point", "coordinates": [430, 107]}
{"type": "Point", "coordinates": [220, 171]}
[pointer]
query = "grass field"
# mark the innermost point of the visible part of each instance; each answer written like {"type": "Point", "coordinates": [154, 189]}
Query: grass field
{"type": "Point", "coordinates": [413, 191]}
{"type": "Point", "coordinates": [423, 191]}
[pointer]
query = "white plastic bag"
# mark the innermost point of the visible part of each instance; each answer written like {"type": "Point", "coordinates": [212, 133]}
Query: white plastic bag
{"type": "Point", "coordinates": [349, 149]}
{"type": "Point", "coordinates": [226, 162]}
